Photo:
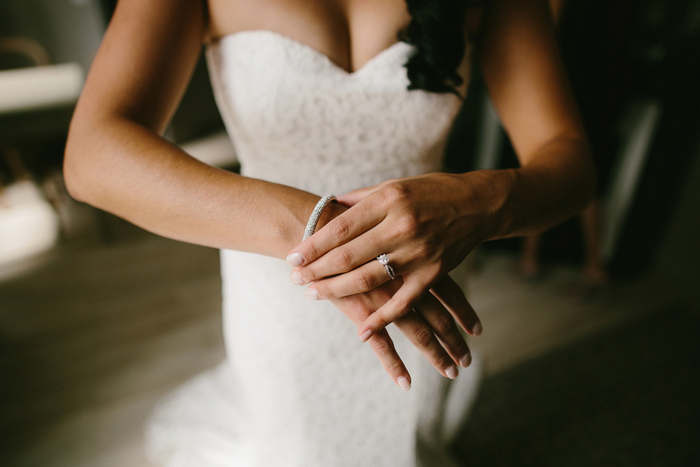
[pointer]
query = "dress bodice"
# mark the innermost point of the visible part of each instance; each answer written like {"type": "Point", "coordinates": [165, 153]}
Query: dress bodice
{"type": "Point", "coordinates": [297, 118]}
{"type": "Point", "coordinates": [298, 388]}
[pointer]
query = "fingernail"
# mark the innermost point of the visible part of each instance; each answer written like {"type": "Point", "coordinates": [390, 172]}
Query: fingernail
{"type": "Point", "coordinates": [366, 335]}
{"type": "Point", "coordinates": [296, 278]}
{"type": "Point", "coordinates": [404, 383]}
{"type": "Point", "coordinates": [311, 293]}
{"type": "Point", "coordinates": [451, 372]}
{"type": "Point", "coordinates": [295, 259]}
{"type": "Point", "coordinates": [477, 329]}
{"type": "Point", "coordinates": [465, 361]}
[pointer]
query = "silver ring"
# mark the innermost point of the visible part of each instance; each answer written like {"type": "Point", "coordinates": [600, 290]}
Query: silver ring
{"type": "Point", "coordinates": [384, 260]}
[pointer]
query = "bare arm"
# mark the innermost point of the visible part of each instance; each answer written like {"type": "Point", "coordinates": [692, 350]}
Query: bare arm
{"type": "Point", "coordinates": [116, 159]}
{"type": "Point", "coordinates": [428, 224]}
{"type": "Point", "coordinates": [529, 88]}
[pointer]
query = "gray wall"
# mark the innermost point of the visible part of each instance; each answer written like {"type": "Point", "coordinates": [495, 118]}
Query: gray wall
{"type": "Point", "coordinates": [71, 30]}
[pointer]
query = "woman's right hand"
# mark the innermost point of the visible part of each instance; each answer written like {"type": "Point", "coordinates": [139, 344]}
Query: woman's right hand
{"type": "Point", "coordinates": [430, 327]}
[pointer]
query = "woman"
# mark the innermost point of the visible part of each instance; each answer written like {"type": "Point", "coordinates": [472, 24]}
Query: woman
{"type": "Point", "coordinates": [317, 99]}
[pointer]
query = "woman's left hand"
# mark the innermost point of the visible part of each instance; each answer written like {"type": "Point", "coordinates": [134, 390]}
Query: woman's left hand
{"type": "Point", "coordinates": [425, 225]}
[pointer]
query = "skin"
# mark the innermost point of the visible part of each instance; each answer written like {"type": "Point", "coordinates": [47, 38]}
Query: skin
{"type": "Point", "coordinates": [117, 160]}
{"type": "Point", "coordinates": [428, 224]}
{"type": "Point", "coordinates": [594, 273]}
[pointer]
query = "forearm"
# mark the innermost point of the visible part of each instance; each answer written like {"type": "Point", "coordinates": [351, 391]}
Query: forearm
{"type": "Point", "coordinates": [121, 167]}
{"type": "Point", "coordinates": [557, 182]}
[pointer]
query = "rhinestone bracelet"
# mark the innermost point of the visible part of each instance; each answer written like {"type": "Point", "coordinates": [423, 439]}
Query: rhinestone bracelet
{"type": "Point", "coordinates": [316, 215]}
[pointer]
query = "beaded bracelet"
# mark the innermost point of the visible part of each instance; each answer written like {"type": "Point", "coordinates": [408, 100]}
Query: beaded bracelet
{"type": "Point", "coordinates": [316, 215]}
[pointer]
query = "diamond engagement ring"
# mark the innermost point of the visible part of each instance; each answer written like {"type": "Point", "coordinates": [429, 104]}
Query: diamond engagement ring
{"type": "Point", "coordinates": [384, 259]}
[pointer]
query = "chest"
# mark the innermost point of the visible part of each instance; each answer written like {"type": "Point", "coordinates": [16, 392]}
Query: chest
{"type": "Point", "coordinates": [349, 32]}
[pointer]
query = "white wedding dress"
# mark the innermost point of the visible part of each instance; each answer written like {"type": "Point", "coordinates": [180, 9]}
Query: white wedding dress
{"type": "Point", "coordinates": [298, 388]}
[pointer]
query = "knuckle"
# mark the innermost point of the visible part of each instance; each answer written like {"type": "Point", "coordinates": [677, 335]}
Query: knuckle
{"type": "Point", "coordinates": [308, 275]}
{"type": "Point", "coordinates": [398, 192]}
{"type": "Point", "coordinates": [312, 250]}
{"type": "Point", "coordinates": [393, 367]}
{"type": "Point", "coordinates": [339, 229]}
{"type": "Point", "coordinates": [381, 346]}
{"type": "Point", "coordinates": [403, 307]}
{"type": "Point", "coordinates": [445, 325]}
{"type": "Point", "coordinates": [424, 250]}
{"type": "Point", "coordinates": [421, 335]}
{"type": "Point", "coordinates": [408, 225]}
{"type": "Point", "coordinates": [363, 281]}
{"type": "Point", "coordinates": [342, 259]}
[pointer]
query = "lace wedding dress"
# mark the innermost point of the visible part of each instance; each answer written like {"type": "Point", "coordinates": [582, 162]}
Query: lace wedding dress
{"type": "Point", "coordinates": [298, 387]}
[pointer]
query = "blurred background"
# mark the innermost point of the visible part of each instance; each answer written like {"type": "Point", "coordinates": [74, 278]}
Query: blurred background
{"type": "Point", "coordinates": [590, 346]}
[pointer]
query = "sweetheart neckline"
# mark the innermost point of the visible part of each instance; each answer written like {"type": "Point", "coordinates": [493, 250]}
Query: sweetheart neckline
{"type": "Point", "coordinates": [314, 51]}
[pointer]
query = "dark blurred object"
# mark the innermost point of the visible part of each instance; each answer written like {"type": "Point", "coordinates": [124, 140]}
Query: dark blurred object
{"type": "Point", "coordinates": [197, 116]}
{"type": "Point", "coordinates": [66, 32]}
{"type": "Point", "coordinates": [36, 101]}
{"type": "Point", "coordinates": [18, 52]}
{"type": "Point", "coordinates": [665, 50]}
{"type": "Point", "coordinates": [631, 61]}
{"type": "Point", "coordinates": [30, 225]}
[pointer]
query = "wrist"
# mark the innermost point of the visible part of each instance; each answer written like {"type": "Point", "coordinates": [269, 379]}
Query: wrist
{"type": "Point", "coordinates": [507, 203]}
{"type": "Point", "coordinates": [295, 235]}
{"type": "Point", "coordinates": [331, 211]}
{"type": "Point", "coordinates": [492, 193]}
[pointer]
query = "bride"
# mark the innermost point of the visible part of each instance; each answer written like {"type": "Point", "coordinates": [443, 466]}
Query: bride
{"type": "Point", "coordinates": [320, 97]}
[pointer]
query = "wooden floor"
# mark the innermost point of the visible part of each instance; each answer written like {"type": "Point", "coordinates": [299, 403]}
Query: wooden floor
{"type": "Point", "coordinates": [95, 332]}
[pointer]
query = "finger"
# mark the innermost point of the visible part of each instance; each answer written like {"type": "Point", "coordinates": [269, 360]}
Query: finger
{"type": "Point", "coordinates": [383, 348]}
{"type": "Point", "coordinates": [423, 338]}
{"type": "Point", "coordinates": [357, 252]}
{"type": "Point", "coordinates": [399, 305]}
{"type": "Point", "coordinates": [363, 279]}
{"type": "Point", "coordinates": [352, 198]}
{"type": "Point", "coordinates": [445, 328]}
{"type": "Point", "coordinates": [339, 231]}
{"type": "Point", "coordinates": [357, 309]}
{"type": "Point", "coordinates": [452, 297]}
{"type": "Point", "coordinates": [355, 196]}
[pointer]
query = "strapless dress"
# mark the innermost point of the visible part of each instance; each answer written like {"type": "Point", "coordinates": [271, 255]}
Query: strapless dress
{"type": "Point", "coordinates": [298, 388]}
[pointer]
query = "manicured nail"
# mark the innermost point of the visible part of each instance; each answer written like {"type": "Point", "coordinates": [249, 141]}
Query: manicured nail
{"type": "Point", "coordinates": [295, 259]}
{"type": "Point", "coordinates": [477, 329]}
{"type": "Point", "coordinates": [465, 361]}
{"type": "Point", "coordinates": [404, 383]}
{"type": "Point", "coordinates": [366, 335]}
{"type": "Point", "coordinates": [451, 372]}
{"type": "Point", "coordinates": [311, 293]}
